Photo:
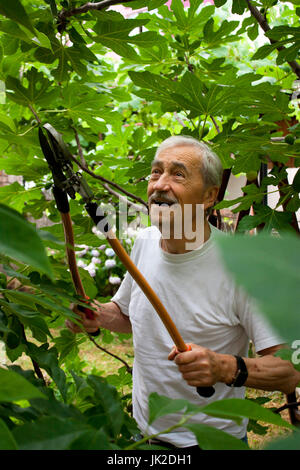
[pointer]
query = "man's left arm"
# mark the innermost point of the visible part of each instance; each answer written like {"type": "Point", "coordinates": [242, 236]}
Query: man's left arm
{"type": "Point", "coordinates": [268, 372]}
{"type": "Point", "coordinates": [202, 367]}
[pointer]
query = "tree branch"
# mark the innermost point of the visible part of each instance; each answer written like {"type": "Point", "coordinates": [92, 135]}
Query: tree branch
{"type": "Point", "coordinates": [215, 124]}
{"type": "Point", "coordinates": [89, 6]}
{"type": "Point", "coordinates": [128, 368]}
{"type": "Point", "coordinates": [34, 113]}
{"type": "Point", "coordinates": [119, 196]}
{"type": "Point", "coordinates": [111, 183]}
{"type": "Point", "coordinates": [36, 367]}
{"type": "Point", "coordinates": [82, 159]}
{"type": "Point", "coordinates": [265, 26]}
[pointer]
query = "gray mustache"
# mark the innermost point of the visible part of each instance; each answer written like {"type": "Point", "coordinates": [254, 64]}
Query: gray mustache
{"type": "Point", "coordinates": [162, 198]}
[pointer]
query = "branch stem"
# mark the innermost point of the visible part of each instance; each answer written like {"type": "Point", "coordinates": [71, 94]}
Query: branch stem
{"type": "Point", "coordinates": [82, 159]}
{"type": "Point", "coordinates": [215, 124]}
{"type": "Point", "coordinates": [128, 368]}
{"type": "Point", "coordinates": [262, 21]}
{"type": "Point", "coordinates": [89, 6]}
{"type": "Point", "coordinates": [111, 183]}
{"type": "Point", "coordinates": [34, 113]}
{"type": "Point", "coordinates": [154, 436]}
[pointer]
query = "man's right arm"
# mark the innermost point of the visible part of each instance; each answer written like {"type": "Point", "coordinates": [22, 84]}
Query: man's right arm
{"type": "Point", "coordinates": [108, 316]}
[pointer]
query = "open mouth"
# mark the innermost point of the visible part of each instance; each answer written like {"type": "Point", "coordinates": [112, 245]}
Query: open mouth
{"type": "Point", "coordinates": [162, 203]}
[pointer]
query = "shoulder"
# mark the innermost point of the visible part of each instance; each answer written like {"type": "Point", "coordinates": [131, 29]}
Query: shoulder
{"type": "Point", "coordinates": [215, 232]}
{"type": "Point", "coordinates": [146, 239]}
{"type": "Point", "coordinates": [148, 233]}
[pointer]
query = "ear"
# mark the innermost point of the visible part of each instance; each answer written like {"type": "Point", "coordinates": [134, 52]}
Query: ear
{"type": "Point", "coordinates": [210, 196]}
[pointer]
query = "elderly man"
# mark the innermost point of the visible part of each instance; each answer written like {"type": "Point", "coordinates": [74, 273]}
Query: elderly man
{"type": "Point", "coordinates": [212, 314]}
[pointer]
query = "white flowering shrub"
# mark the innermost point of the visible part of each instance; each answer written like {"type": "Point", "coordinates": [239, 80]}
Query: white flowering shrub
{"type": "Point", "coordinates": [103, 266]}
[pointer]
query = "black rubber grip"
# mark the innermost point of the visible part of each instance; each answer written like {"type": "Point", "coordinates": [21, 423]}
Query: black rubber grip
{"type": "Point", "coordinates": [95, 333]}
{"type": "Point", "coordinates": [61, 200]}
{"type": "Point", "coordinates": [205, 392]}
{"type": "Point", "coordinates": [98, 217]}
{"type": "Point", "coordinates": [47, 151]}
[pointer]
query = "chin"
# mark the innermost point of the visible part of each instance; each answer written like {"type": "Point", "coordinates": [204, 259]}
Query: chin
{"type": "Point", "coordinates": [164, 220]}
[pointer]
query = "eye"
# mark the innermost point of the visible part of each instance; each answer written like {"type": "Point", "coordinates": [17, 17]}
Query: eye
{"type": "Point", "coordinates": [179, 173]}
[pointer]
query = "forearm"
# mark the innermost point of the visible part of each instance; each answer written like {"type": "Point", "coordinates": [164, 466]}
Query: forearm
{"type": "Point", "coordinates": [271, 373]}
{"type": "Point", "coordinates": [202, 367]}
{"type": "Point", "coordinates": [110, 317]}
{"type": "Point", "coordinates": [265, 373]}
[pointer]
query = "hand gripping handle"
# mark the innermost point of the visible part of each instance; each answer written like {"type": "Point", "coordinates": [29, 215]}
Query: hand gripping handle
{"type": "Point", "coordinates": [205, 392]}
{"type": "Point", "coordinates": [90, 315]}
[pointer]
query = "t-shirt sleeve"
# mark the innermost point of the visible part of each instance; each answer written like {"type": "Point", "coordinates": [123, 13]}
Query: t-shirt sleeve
{"type": "Point", "coordinates": [255, 323]}
{"type": "Point", "coordinates": [123, 294]}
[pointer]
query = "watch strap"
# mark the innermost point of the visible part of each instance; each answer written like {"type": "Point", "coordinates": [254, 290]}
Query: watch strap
{"type": "Point", "coordinates": [241, 374]}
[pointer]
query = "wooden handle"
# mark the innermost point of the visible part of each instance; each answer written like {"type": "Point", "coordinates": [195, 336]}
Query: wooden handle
{"type": "Point", "coordinates": [92, 209]}
{"type": "Point", "coordinates": [148, 291]}
{"type": "Point", "coordinates": [205, 392]}
{"type": "Point", "coordinates": [69, 237]}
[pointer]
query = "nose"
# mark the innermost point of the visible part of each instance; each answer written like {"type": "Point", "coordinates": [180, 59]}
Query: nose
{"type": "Point", "coordinates": [162, 184]}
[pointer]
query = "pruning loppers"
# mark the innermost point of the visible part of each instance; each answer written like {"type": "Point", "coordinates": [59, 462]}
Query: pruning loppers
{"type": "Point", "coordinates": [68, 183]}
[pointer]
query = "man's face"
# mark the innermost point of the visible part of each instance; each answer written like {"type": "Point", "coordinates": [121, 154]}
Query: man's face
{"type": "Point", "coordinates": [176, 182]}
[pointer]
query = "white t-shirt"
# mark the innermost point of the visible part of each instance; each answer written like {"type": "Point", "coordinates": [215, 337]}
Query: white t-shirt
{"type": "Point", "coordinates": [208, 309]}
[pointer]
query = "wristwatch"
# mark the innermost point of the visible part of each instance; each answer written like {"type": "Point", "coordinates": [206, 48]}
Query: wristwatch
{"type": "Point", "coordinates": [241, 374]}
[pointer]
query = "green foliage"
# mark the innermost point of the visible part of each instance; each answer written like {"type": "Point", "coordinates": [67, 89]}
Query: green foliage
{"type": "Point", "coordinates": [115, 88]}
{"type": "Point", "coordinates": [44, 423]}
{"type": "Point", "coordinates": [20, 241]}
{"type": "Point", "coordinates": [267, 267]}
{"type": "Point", "coordinates": [210, 438]}
{"type": "Point", "coordinates": [15, 388]}
{"type": "Point", "coordinates": [16, 12]}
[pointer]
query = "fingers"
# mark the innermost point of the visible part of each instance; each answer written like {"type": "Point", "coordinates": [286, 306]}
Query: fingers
{"type": "Point", "coordinates": [88, 325]}
{"type": "Point", "coordinates": [73, 327]}
{"type": "Point", "coordinates": [173, 353]}
{"type": "Point", "coordinates": [194, 365]}
{"type": "Point", "coordinates": [184, 357]}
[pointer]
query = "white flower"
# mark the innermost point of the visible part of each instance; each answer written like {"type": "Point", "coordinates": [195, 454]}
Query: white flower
{"type": "Point", "coordinates": [102, 247]}
{"type": "Point", "coordinates": [95, 253]}
{"type": "Point", "coordinates": [109, 252]}
{"type": "Point", "coordinates": [115, 280]}
{"type": "Point", "coordinates": [110, 263]}
{"type": "Point", "coordinates": [96, 260]}
{"type": "Point", "coordinates": [81, 264]}
{"type": "Point", "coordinates": [82, 253]}
{"type": "Point", "coordinates": [91, 269]}
{"type": "Point", "coordinates": [98, 233]}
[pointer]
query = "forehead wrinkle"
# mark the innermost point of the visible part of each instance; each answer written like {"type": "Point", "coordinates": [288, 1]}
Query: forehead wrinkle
{"type": "Point", "coordinates": [174, 164]}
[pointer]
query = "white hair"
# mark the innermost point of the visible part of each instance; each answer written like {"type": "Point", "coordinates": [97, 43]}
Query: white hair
{"type": "Point", "coordinates": [211, 166]}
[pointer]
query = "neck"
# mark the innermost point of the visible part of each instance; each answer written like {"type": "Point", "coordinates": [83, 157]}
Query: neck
{"type": "Point", "coordinates": [178, 246]}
